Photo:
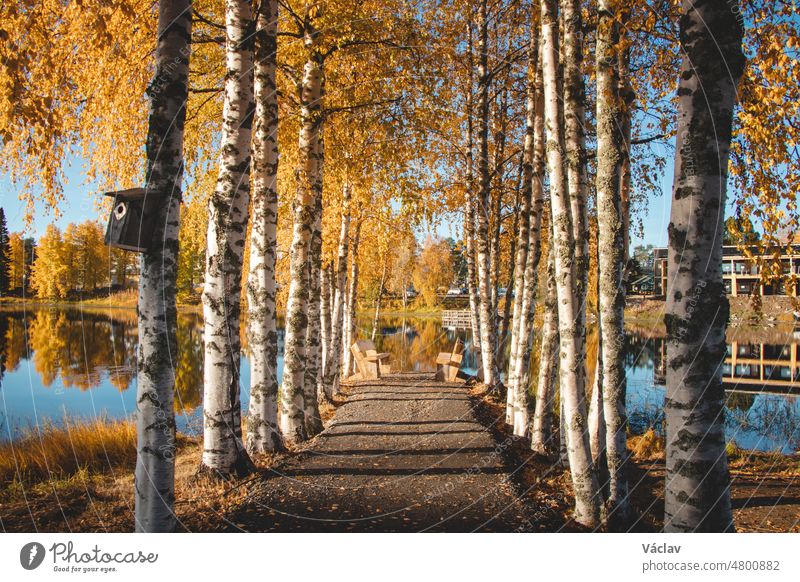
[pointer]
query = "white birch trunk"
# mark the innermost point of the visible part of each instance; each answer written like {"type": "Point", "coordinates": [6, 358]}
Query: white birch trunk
{"type": "Point", "coordinates": [350, 306]}
{"type": "Point", "coordinates": [378, 302]}
{"type": "Point", "coordinates": [488, 318]}
{"type": "Point", "coordinates": [325, 322]}
{"type": "Point", "coordinates": [571, 369]}
{"type": "Point", "coordinates": [472, 289]}
{"type": "Point", "coordinates": [313, 372]}
{"type": "Point", "coordinates": [563, 436]}
{"type": "Point", "coordinates": [263, 434]}
{"type": "Point", "coordinates": [523, 238]}
{"type": "Point", "coordinates": [292, 403]}
{"type": "Point", "coordinates": [504, 337]}
{"type": "Point", "coordinates": [157, 313]}
{"type": "Point", "coordinates": [542, 438]}
{"type": "Point", "coordinates": [293, 400]}
{"type": "Point", "coordinates": [469, 220]}
{"type": "Point", "coordinates": [345, 334]}
{"type": "Point", "coordinates": [597, 425]}
{"type": "Point", "coordinates": [574, 123]}
{"type": "Point", "coordinates": [611, 256]}
{"type": "Point", "coordinates": [331, 298]}
{"type": "Point", "coordinates": [332, 373]}
{"type": "Point", "coordinates": [223, 450]}
{"type": "Point", "coordinates": [697, 495]}
{"type": "Point", "coordinates": [497, 171]}
{"type": "Point", "coordinates": [529, 291]}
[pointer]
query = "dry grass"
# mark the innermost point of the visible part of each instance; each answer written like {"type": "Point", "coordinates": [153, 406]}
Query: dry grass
{"type": "Point", "coordinates": [54, 453]}
{"type": "Point", "coordinates": [746, 462]}
{"type": "Point", "coordinates": [651, 447]}
{"type": "Point", "coordinates": [126, 298]}
{"type": "Point", "coordinates": [647, 446]}
{"type": "Point", "coordinates": [93, 488]}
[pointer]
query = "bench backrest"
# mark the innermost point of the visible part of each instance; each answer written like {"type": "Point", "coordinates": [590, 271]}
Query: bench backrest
{"type": "Point", "coordinates": [458, 349]}
{"type": "Point", "coordinates": [358, 353]}
{"type": "Point", "coordinates": [367, 347]}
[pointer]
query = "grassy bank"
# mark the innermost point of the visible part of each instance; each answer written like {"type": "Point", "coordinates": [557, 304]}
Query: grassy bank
{"type": "Point", "coordinates": [775, 310]}
{"type": "Point", "coordinates": [60, 453]}
{"type": "Point", "coordinates": [80, 477]}
{"type": "Point", "coordinates": [746, 312]}
{"type": "Point", "coordinates": [646, 313]}
{"type": "Point", "coordinates": [119, 300]}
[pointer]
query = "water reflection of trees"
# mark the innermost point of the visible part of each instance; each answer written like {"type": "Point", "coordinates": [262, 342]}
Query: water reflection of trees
{"type": "Point", "coordinates": [14, 345]}
{"type": "Point", "coordinates": [70, 347]}
{"type": "Point", "coordinates": [189, 371]}
{"type": "Point", "coordinates": [80, 348]}
{"type": "Point", "coordinates": [414, 343]}
{"type": "Point", "coordinates": [121, 370]}
{"type": "Point", "coordinates": [639, 352]}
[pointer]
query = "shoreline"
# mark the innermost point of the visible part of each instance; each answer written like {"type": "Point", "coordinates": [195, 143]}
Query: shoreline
{"type": "Point", "coordinates": [643, 316]}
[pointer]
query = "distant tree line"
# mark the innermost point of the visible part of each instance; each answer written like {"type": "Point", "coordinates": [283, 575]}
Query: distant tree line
{"type": "Point", "coordinates": [61, 265]}
{"type": "Point", "coordinates": [17, 254]}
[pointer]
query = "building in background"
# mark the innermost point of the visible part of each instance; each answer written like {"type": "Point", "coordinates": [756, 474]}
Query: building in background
{"type": "Point", "coordinates": [740, 273]}
{"type": "Point", "coordinates": [748, 367]}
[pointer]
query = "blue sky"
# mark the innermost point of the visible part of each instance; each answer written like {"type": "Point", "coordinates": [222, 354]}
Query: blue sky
{"type": "Point", "coordinates": [79, 204]}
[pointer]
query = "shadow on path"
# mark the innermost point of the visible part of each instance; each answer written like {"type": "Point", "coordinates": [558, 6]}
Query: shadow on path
{"type": "Point", "coordinates": [440, 470]}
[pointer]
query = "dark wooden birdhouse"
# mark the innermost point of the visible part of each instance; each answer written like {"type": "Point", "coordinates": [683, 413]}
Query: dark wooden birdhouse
{"type": "Point", "coordinates": [133, 220]}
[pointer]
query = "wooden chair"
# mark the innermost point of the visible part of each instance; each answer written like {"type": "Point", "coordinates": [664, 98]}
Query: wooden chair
{"type": "Point", "coordinates": [448, 363]}
{"type": "Point", "coordinates": [371, 365]}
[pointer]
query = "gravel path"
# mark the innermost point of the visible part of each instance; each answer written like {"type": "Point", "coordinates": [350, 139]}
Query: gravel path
{"type": "Point", "coordinates": [404, 453]}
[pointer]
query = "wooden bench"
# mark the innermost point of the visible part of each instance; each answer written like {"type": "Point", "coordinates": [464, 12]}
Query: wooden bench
{"type": "Point", "coordinates": [448, 363]}
{"type": "Point", "coordinates": [369, 363]}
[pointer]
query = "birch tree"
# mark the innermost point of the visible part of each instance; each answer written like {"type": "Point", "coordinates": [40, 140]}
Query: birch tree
{"type": "Point", "coordinates": [326, 307]}
{"type": "Point", "coordinates": [312, 389]}
{"type": "Point", "coordinates": [223, 449]}
{"type": "Point", "coordinates": [469, 212]}
{"type": "Point", "coordinates": [293, 419]}
{"type": "Point", "coordinates": [499, 124]}
{"type": "Point", "coordinates": [381, 287]}
{"type": "Point", "coordinates": [350, 302]}
{"type": "Point", "coordinates": [154, 481]}
{"type": "Point", "coordinates": [542, 439]}
{"type": "Point", "coordinates": [697, 496]}
{"type": "Point", "coordinates": [523, 236]}
{"type": "Point", "coordinates": [611, 257]}
{"type": "Point", "coordinates": [488, 318]}
{"type": "Point", "coordinates": [521, 258]}
{"type": "Point", "coordinates": [535, 177]}
{"type": "Point", "coordinates": [313, 372]}
{"type": "Point", "coordinates": [574, 116]}
{"type": "Point", "coordinates": [263, 434]}
{"type": "Point", "coordinates": [333, 362]}
{"type": "Point", "coordinates": [571, 336]}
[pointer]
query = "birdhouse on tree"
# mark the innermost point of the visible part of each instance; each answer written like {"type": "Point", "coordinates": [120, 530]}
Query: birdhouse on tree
{"type": "Point", "coordinates": [133, 218]}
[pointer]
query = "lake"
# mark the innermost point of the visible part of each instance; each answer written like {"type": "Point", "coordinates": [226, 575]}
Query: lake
{"type": "Point", "coordinates": [63, 365]}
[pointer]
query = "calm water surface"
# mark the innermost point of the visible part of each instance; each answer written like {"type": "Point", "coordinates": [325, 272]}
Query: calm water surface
{"type": "Point", "coordinates": [58, 364]}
